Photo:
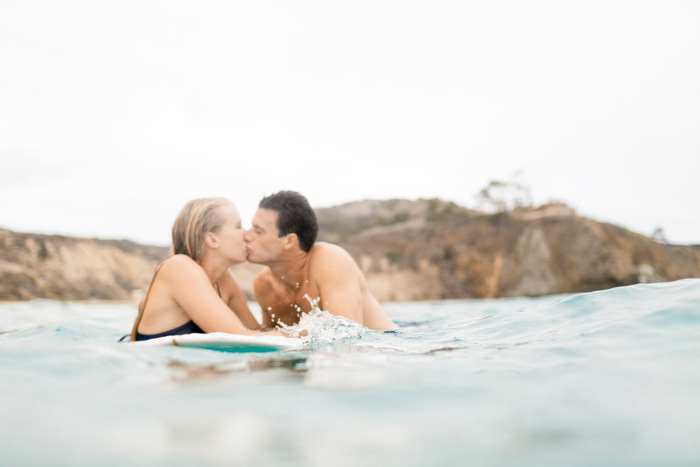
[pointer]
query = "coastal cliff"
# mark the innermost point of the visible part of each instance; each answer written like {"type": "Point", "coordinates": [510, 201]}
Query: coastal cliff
{"type": "Point", "coordinates": [432, 249]}
{"type": "Point", "coordinates": [66, 268]}
{"type": "Point", "coordinates": [408, 250]}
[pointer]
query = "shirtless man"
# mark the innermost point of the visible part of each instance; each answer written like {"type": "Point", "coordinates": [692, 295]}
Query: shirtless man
{"type": "Point", "coordinates": [283, 238]}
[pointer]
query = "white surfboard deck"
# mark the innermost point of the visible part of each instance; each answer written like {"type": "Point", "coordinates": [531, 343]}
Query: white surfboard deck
{"type": "Point", "coordinates": [228, 342]}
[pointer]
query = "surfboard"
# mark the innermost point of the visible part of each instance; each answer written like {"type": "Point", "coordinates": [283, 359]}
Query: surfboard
{"type": "Point", "coordinates": [228, 342]}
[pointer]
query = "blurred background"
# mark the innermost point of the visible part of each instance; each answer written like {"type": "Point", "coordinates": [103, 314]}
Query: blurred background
{"type": "Point", "coordinates": [114, 114]}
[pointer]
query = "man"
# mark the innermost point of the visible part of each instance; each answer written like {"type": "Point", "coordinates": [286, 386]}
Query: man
{"type": "Point", "coordinates": [283, 238]}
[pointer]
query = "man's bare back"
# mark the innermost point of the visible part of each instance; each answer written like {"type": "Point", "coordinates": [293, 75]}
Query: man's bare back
{"type": "Point", "coordinates": [283, 238]}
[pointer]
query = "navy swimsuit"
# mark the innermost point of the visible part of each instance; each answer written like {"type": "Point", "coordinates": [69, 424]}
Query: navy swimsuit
{"type": "Point", "coordinates": [187, 328]}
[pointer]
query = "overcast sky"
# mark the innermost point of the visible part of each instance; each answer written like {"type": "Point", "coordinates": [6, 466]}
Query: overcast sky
{"type": "Point", "coordinates": [114, 114]}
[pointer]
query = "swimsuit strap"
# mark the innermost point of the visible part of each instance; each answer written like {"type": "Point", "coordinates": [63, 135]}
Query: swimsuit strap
{"type": "Point", "coordinates": [142, 305]}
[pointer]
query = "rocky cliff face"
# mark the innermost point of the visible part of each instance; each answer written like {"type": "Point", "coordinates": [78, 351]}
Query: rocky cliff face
{"type": "Point", "coordinates": [408, 250]}
{"type": "Point", "coordinates": [430, 249]}
{"type": "Point", "coordinates": [64, 268]}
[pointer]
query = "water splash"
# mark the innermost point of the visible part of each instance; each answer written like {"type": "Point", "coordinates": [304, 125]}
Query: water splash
{"type": "Point", "coordinates": [323, 329]}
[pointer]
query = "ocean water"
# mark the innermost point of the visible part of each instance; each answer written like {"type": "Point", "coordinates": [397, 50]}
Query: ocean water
{"type": "Point", "coordinates": [610, 378]}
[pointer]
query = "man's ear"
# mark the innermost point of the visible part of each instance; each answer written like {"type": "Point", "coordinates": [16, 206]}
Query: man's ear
{"type": "Point", "coordinates": [291, 240]}
{"type": "Point", "coordinates": [211, 240]}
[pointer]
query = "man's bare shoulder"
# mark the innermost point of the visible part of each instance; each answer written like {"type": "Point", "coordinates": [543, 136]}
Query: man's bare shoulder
{"type": "Point", "coordinates": [325, 256]}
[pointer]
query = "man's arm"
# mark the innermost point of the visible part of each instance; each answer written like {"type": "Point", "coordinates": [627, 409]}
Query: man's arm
{"type": "Point", "coordinates": [262, 290]}
{"type": "Point", "coordinates": [337, 278]}
{"type": "Point", "coordinates": [276, 302]}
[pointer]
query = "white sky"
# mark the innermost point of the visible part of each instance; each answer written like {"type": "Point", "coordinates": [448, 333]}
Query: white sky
{"type": "Point", "coordinates": [114, 114]}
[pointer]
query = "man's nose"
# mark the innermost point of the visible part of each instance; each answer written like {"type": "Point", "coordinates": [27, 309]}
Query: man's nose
{"type": "Point", "coordinates": [247, 235]}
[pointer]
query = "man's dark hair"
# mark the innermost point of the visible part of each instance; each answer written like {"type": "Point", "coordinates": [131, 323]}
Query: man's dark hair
{"type": "Point", "coordinates": [295, 216]}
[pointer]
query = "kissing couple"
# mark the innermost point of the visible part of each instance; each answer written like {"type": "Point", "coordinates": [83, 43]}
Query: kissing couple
{"type": "Point", "coordinates": [194, 290]}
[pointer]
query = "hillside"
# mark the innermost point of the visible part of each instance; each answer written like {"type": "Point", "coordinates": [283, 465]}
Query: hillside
{"type": "Point", "coordinates": [431, 249]}
{"type": "Point", "coordinates": [408, 250]}
{"type": "Point", "coordinates": [66, 268]}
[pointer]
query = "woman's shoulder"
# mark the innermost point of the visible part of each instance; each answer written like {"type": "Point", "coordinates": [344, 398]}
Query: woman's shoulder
{"type": "Point", "coordinates": [178, 264]}
{"type": "Point", "coordinates": [179, 259]}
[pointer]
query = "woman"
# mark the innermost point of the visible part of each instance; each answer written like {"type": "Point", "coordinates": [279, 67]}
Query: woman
{"type": "Point", "coordinates": [194, 290]}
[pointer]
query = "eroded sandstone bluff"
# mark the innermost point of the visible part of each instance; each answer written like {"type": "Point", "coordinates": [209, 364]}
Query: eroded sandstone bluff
{"type": "Point", "coordinates": [66, 268]}
{"type": "Point", "coordinates": [431, 249]}
{"type": "Point", "coordinates": [408, 250]}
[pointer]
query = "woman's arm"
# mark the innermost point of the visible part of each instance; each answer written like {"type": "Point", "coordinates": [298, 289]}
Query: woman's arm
{"type": "Point", "coordinates": [191, 289]}
{"type": "Point", "coordinates": [236, 300]}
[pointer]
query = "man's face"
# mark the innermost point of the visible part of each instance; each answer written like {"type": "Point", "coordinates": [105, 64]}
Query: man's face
{"type": "Point", "coordinates": [264, 243]}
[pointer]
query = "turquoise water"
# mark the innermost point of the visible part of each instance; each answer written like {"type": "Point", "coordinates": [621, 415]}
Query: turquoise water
{"type": "Point", "coordinates": [610, 378]}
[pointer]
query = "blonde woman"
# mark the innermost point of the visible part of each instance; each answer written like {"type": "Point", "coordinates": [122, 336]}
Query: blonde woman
{"type": "Point", "coordinates": [194, 291]}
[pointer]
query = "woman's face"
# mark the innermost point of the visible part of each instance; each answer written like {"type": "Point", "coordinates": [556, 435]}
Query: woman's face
{"type": "Point", "coordinates": [230, 235]}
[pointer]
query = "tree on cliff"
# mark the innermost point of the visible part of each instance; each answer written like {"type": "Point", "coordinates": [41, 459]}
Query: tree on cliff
{"type": "Point", "coordinates": [500, 196]}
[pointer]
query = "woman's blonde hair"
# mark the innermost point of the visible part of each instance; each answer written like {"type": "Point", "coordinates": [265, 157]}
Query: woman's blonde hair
{"type": "Point", "coordinates": [195, 221]}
